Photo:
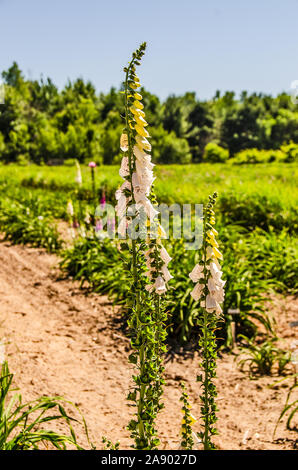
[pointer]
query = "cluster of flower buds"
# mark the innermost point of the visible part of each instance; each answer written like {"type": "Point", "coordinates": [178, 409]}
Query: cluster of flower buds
{"type": "Point", "coordinates": [157, 260]}
{"type": "Point", "coordinates": [208, 273]}
{"type": "Point", "coordinates": [136, 169]}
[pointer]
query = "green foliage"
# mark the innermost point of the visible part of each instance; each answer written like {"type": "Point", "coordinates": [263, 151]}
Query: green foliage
{"type": "Point", "coordinates": [254, 155]}
{"type": "Point", "coordinates": [290, 152]}
{"type": "Point", "coordinates": [263, 357]}
{"type": "Point", "coordinates": [42, 124]}
{"type": "Point", "coordinates": [290, 407]}
{"type": "Point", "coordinates": [22, 424]}
{"type": "Point", "coordinates": [287, 153]}
{"type": "Point", "coordinates": [21, 224]}
{"type": "Point", "coordinates": [213, 153]}
{"type": "Point", "coordinates": [186, 429]}
{"type": "Point", "coordinates": [109, 145]}
{"type": "Point", "coordinates": [249, 269]}
{"type": "Point", "coordinates": [97, 264]}
{"type": "Point", "coordinates": [263, 211]}
{"type": "Point", "coordinates": [168, 148]}
{"type": "Point", "coordinates": [108, 445]}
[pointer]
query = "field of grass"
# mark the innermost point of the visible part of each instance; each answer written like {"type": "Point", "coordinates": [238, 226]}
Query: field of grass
{"type": "Point", "coordinates": [251, 195]}
{"type": "Point", "coordinates": [174, 183]}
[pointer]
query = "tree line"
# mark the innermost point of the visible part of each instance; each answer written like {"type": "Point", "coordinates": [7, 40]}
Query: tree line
{"type": "Point", "coordinates": [41, 124]}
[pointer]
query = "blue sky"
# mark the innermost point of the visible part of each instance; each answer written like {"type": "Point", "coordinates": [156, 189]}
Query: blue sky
{"type": "Point", "coordinates": [193, 45]}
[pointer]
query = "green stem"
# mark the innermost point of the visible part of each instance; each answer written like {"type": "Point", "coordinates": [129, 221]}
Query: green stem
{"type": "Point", "coordinates": [205, 347]}
{"type": "Point", "coordinates": [93, 189]}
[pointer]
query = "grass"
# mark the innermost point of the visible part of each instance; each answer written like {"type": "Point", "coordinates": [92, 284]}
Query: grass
{"type": "Point", "coordinates": [174, 183]}
{"type": "Point", "coordinates": [262, 196]}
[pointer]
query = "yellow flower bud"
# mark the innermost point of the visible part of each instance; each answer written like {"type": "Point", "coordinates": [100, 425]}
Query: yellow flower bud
{"type": "Point", "coordinates": [192, 418]}
{"type": "Point", "coordinates": [138, 105]}
{"type": "Point", "coordinates": [212, 242]}
{"type": "Point", "coordinates": [217, 253]}
{"type": "Point", "coordinates": [133, 85]}
{"type": "Point", "coordinates": [141, 131]}
{"type": "Point", "coordinates": [141, 121]}
{"type": "Point", "coordinates": [137, 112]}
{"type": "Point", "coordinates": [161, 232]}
{"type": "Point", "coordinates": [214, 232]}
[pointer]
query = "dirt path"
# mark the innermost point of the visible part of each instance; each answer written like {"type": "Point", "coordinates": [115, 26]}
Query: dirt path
{"type": "Point", "coordinates": [62, 342]}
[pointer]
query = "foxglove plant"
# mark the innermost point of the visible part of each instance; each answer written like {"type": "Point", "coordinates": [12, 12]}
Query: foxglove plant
{"type": "Point", "coordinates": [209, 289]}
{"type": "Point", "coordinates": [79, 174]}
{"type": "Point", "coordinates": [71, 218]}
{"type": "Point", "coordinates": [92, 166]}
{"type": "Point", "coordinates": [79, 182]}
{"type": "Point", "coordinates": [137, 218]}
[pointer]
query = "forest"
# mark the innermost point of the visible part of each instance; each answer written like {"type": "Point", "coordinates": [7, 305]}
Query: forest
{"type": "Point", "coordinates": [41, 124]}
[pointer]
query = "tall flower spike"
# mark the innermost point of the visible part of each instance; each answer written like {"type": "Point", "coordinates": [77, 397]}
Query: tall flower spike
{"type": "Point", "coordinates": [135, 210]}
{"type": "Point", "coordinates": [209, 289]}
{"type": "Point", "coordinates": [209, 273]}
{"type": "Point", "coordinates": [79, 174]}
{"type": "Point", "coordinates": [137, 172]}
{"type": "Point", "coordinates": [136, 168]}
{"type": "Point", "coordinates": [70, 209]}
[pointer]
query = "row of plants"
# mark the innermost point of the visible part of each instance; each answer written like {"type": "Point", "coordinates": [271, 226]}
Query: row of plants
{"type": "Point", "coordinates": [25, 224]}
{"type": "Point", "coordinates": [254, 264]}
{"type": "Point", "coordinates": [264, 198]}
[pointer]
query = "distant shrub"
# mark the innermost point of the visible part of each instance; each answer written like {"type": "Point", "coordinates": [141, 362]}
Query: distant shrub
{"type": "Point", "coordinates": [214, 153]}
{"type": "Point", "coordinates": [290, 152]}
{"type": "Point", "coordinates": [258, 156]}
{"type": "Point", "coordinates": [23, 160]}
{"type": "Point", "coordinates": [2, 145]}
{"type": "Point", "coordinates": [69, 162]}
{"type": "Point", "coordinates": [109, 152]}
{"type": "Point", "coordinates": [168, 148]}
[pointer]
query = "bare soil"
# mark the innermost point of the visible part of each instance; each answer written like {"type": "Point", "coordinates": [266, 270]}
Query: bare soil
{"type": "Point", "coordinates": [60, 341]}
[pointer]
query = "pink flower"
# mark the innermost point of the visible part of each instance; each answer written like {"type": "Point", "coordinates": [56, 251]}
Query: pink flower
{"type": "Point", "coordinates": [111, 223]}
{"type": "Point", "coordinates": [92, 164]}
{"type": "Point", "coordinates": [103, 201]}
{"type": "Point", "coordinates": [98, 226]}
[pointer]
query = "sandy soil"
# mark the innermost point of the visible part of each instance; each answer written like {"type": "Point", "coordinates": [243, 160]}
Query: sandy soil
{"type": "Point", "coordinates": [62, 342]}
